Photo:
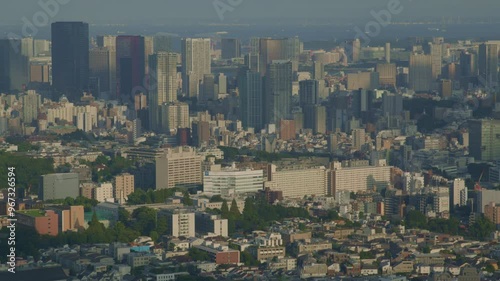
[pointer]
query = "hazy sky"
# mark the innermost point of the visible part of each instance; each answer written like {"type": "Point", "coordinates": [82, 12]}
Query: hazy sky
{"type": "Point", "coordinates": [155, 11]}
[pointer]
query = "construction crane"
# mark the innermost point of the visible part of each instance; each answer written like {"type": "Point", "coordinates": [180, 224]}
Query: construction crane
{"type": "Point", "coordinates": [478, 187]}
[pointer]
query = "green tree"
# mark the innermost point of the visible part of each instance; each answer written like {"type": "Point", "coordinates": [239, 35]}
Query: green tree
{"type": "Point", "coordinates": [224, 210]}
{"type": "Point", "coordinates": [187, 199]}
{"type": "Point", "coordinates": [144, 220]}
{"type": "Point", "coordinates": [482, 228]}
{"type": "Point", "coordinates": [234, 212]}
{"type": "Point", "coordinates": [415, 219]}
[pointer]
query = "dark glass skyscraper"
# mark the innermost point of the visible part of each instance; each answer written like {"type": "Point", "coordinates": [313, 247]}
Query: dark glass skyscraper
{"type": "Point", "coordinates": [278, 91]}
{"type": "Point", "coordinates": [250, 86]}
{"type": "Point", "coordinates": [130, 65]}
{"type": "Point", "coordinates": [231, 48]}
{"type": "Point", "coordinates": [70, 58]}
{"type": "Point", "coordinates": [13, 66]}
{"type": "Point", "coordinates": [488, 65]}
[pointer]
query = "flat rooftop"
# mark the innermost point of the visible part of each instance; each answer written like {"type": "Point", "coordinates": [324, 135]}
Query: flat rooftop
{"type": "Point", "coordinates": [33, 213]}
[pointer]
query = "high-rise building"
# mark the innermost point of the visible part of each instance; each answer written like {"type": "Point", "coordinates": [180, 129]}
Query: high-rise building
{"type": "Point", "coordinates": [436, 52]}
{"type": "Point", "coordinates": [70, 58]}
{"type": "Point", "coordinates": [318, 71]}
{"type": "Point", "coordinates": [130, 66]}
{"type": "Point", "coordinates": [387, 51]}
{"type": "Point", "coordinates": [180, 223]}
{"type": "Point", "coordinates": [162, 43]}
{"type": "Point", "coordinates": [445, 88]}
{"type": "Point", "coordinates": [356, 50]}
{"type": "Point", "coordinates": [148, 51]}
{"type": "Point", "coordinates": [251, 99]}
{"type": "Point", "coordinates": [163, 84]}
{"type": "Point", "coordinates": [387, 74]}
{"type": "Point", "coordinates": [106, 41]}
{"type": "Point", "coordinates": [124, 185]}
{"type": "Point", "coordinates": [231, 48]}
{"type": "Point", "coordinates": [363, 80]}
{"type": "Point", "coordinates": [392, 104]}
{"type": "Point", "coordinates": [319, 121]}
{"type": "Point", "coordinates": [178, 167]}
{"type": "Point", "coordinates": [140, 101]}
{"type": "Point", "coordinates": [222, 84]}
{"type": "Point", "coordinates": [31, 103]}
{"type": "Point", "coordinates": [58, 186]}
{"type": "Point", "coordinates": [421, 72]}
{"type": "Point", "coordinates": [102, 66]}
{"type": "Point", "coordinates": [286, 129]}
{"type": "Point", "coordinates": [309, 92]}
{"type": "Point", "coordinates": [358, 138]}
{"type": "Point", "coordinates": [492, 213]}
{"type": "Point", "coordinates": [485, 145]}
{"type": "Point", "coordinates": [488, 65]}
{"type": "Point", "coordinates": [13, 66]}
{"type": "Point", "coordinates": [208, 88]}
{"type": "Point", "coordinates": [196, 62]}
{"type": "Point", "coordinates": [252, 62]}
{"type": "Point", "coordinates": [458, 193]}
{"type": "Point", "coordinates": [278, 91]}
{"type": "Point", "coordinates": [468, 67]}
{"type": "Point", "coordinates": [173, 116]}
{"type": "Point", "coordinates": [39, 72]}
{"type": "Point", "coordinates": [278, 49]}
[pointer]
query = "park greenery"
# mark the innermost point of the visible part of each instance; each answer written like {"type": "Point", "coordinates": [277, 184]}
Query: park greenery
{"type": "Point", "coordinates": [480, 230]}
{"type": "Point", "coordinates": [27, 169]}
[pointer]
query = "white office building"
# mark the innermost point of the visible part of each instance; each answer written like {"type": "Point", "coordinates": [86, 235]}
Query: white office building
{"type": "Point", "coordinates": [232, 181]}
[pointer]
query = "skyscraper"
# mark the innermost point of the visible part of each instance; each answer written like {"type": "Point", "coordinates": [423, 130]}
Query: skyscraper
{"type": "Point", "coordinates": [31, 102]}
{"type": "Point", "coordinates": [163, 83]}
{"type": "Point", "coordinates": [70, 58]}
{"type": "Point", "coordinates": [102, 66]}
{"type": "Point", "coordinates": [309, 92]}
{"type": "Point", "coordinates": [436, 52]}
{"type": "Point", "coordinates": [387, 74]}
{"type": "Point", "coordinates": [231, 48]}
{"type": "Point", "coordinates": [252, 62]}
{"type": "Point", "coordinates": [106, 41]}
{"type": "Point", "coordinates": [130, 65]}
{"type": "Point", "coordinates": [162, 43]}
{"type": "Point", "coordinates": [488, 65]}
{"type": "Point", "coordinates": [485, 145]}
{"type": "Point", "coordinates": [208, 88]}
{"type": "Point", "coordinates": [358, 138]}
{"type": "Point", "coordinates": [196, 62]}
{"type": "Point", "coordinates": [318, 71]}
{"type": "Point", "coordinates": [174, 115]}
{"type": "Point", "coordinates": [250, 87]}
{"type": "Point", "coordinates": [356, 50]}
{"type": "Point", "coordinates": [13, 66]}
{"type": "Point", "coordinates": [278, 91]}
{"type": "Point", "coordinates": [148, 50]}
{"type": "Point", "coordinates": [278, 49]}
{"type": "Point", "coordinates": [392, 104]}
{"type": "Point", "coordinates": [387, 50]}
{"type": "Point", "coordinates": [468, 67]}
{"type": "Point", "coordinates": [421, 72]}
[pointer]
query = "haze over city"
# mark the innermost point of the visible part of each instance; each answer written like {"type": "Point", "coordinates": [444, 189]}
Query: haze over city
{"type": "Point", "coordinates": [205, 140]}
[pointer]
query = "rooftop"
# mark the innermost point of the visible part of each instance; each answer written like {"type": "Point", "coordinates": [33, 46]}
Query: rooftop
{"type": "Point", "coordinates": [32, 213]}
